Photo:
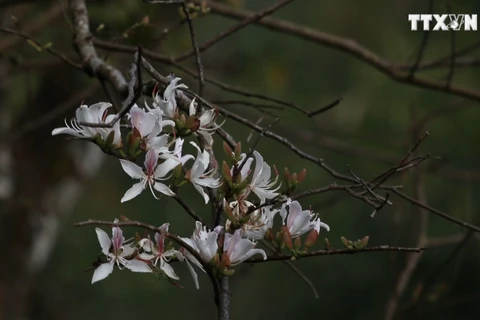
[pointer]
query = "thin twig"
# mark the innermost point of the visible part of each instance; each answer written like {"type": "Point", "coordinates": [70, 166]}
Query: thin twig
{"type": "Point", "coordinates": [188, 209]}
{"type": "Point", "coordinates": [247, 21]}
{"type": "Point", "coordinates": [198, 61]}
{"type": "Point", "coordinates": [42, 47]}
{"type": "Point", "coordinates": [436, 211]}
{"type": "Point", "coordinates": [385, 248]}
{"type": "Point", "coordinates": [423, 45]}
{"type": "Point", "coordinates": [343, 44]}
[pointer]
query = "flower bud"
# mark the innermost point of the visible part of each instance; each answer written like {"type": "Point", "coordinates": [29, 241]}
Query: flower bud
{"type": "Point", "coordinates": [238, 150]}
{"type": "Point", "coordinates": [269, 235]}
{"type": "Point", "coordinates": [226, 174]}
{"type": "Point", "coordinates": [301, 176]}
{"type": "Point", "coordinates": [227, 150]}
{"type": "Point", "coordinates": [298, 243]}
{"type": "Point", "coordinates": [311, 238]}
{"type": "Point", "coordinates": [364, 241]}
{"type": "Point", "coordinates": [286, 238]}
{"type": "Point", "coordinates": [134, 144]}
{"type": "Point", "coordinates": [286, 175]}
{"type": "Point", "coordinates": [345, 242]}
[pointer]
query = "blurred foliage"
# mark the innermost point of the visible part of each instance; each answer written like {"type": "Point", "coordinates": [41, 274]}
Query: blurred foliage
{"type": "Point", "coordinates": [376, 113]}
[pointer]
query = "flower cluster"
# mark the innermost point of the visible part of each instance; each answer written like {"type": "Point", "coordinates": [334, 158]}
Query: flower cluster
{"type": "Point", "coordinates": [156, 135]}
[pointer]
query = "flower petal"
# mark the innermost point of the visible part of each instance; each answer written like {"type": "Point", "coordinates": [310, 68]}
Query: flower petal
{"type": "Point", "coordinates": [132, 169]}
{"type": "Point", "coordinates": [160, 187]}
{"type": "Point", "coordinates": [168, 270]}
{"type": "Point", "coordinates": [134, 191]}
{"type": "Point", "coordinates": [202, 192]}
{"type": "Point", "coordinates": [137, 266]}
{"type": "Point", "coordinates": [194, 274]}
{"type": "Point", "coordinates": [68, 131]}
{"type": "Point", "coordinates": [102, 271]}
{"type": "Point", "coordinates": [104, 240]}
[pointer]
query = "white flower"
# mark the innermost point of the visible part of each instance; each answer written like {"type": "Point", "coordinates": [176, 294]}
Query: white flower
{"type": "Point", "coordinates": [149, 126]}
{"type": "Point", "coordinates": [237, 250]}
{"type": "Point", "coordinates": [156, 251]}
{"type": "Point", "coordinates": [167, 105]}
{"type": "Point", "coordinates": [205, 243]}
{"type": "Point", "coordinates": [96, 113]}
{"type": "Point", "coordinates": [198, 175]}
{"type": "Point", "coordinates": [207, 122]}
{"type": "Point", "coordinates": [117, 252]}
{"type": "Point", "coordinates": [261, 184]}
{"type": "Point", "coordinates": [259, 220]}
{"type": "Point", "coordinates": [154, 173]}
{"type": "Point", "coordinates": [298, 221]}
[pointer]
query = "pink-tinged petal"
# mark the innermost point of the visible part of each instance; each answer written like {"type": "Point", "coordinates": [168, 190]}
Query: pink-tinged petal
{"type": "Point", "coordinates": [202, 192]}
{"type": "Point", "coordinates": [132, 169]}
{"type": "Point", "coordinates": [144, 122]}
{"type": "Point", "coordinates": [134, 191]}
{"type": "Point", "coordinates": [294, 210]}
{"type": "Point", "coordinates": [168, 270]}
{"type": "Point", "coordinates": [160, 187]}
{"type": "Point", "coordinates": [301, 224]}
{"type": "Point", "coordinates": [232, 241]}
{"type": "Point", "coordinates": [240, 249]}
{"type": "Point", "coordinates": [137, 266]}
{"type": "Point", "coordinates": [151, 161]}
{"type": "Point", "coordinates": [102, 271]}
{"type": "Point", "coordinates": [163, 169]}
{"type": "Point", "coordinates": [104, 240]}
{"type": "Point", "coordinates": [68, 131]}
{"type": "Point", "coordinates": [117, 237]}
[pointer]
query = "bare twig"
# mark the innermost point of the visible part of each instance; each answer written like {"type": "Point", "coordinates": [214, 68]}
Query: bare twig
{"type": "Point", "coordinates": [247, 21]}
{"type": "Point", "coordinates": [198, 61]}
{"type": "Point", "coordinates": [42, 47]}
{"type": "Point", "coordinates": [188, 209]}
{"type": "Point", "coordinates": [346, 45]}
{"type": "Point", "coordinates": [385, 248]}
{"type": "Point", "coordinates": [436, 211]}
{"type": "Point", "coordinates": [423, 45]}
